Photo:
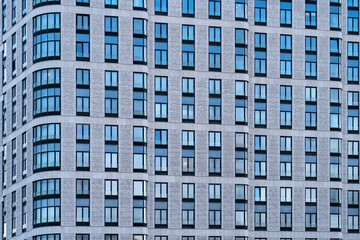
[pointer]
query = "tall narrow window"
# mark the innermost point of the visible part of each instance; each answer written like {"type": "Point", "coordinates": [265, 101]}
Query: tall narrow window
{"type": "Point", "coordinates": [241, 102]}
{"type": "Point", "coordinates": [161, 45]}
{"type": "Point", "coordinates": [82, 37]}
{"type": "Point", "coordinates": [139, 149]}
{"type": "Point", "coordinates": [161, 98]}
{"type": "Point", "coordinates": [241, 154]}
{"type": "Point", "coordinates": [214, 49]}
{"type": "Point", "coordinates": [161, 152]}
{"type": "Point", "coordinates": [310, 14]}
{"type": "Point", "coordinates": [13, 55]}
{"type": "Point", "coordinates": [24, 47]}
{"type": "Point", "coordinates": [82, 92]}
{"type": "Point", "coordinates": [335, 59]}
{"type": "Point", "coordinates": [111, 148]}
{"type": "Point", "coordinates": [286, 158]}
{"type": "Point", "coordinates": [188, 206]}
{"type": "Point", "coordinates": [286, 56]}
{"type": "Point", "coordinates": [260, 219]}
{"type": "Point", "coordinates": [140, 5]}
{"type": "Point", "coordinates": [310, 158]}
{"type": "Point", "coordinates": [285, 13]}
{"type": "Point", "coordinates": [215, 101]}
{"type": "Point", "coordinates": [285, 107]}
{"type": "Point", "coordinates": [285, 209]}
{"type": "Point", "coordinates": [111, 94]}
{"type": "Point", "coordinates": [83, 202]}
{"type": "Point", "coordinates": [260, 157]}
{"type": "Point", "coordinates": [83, 147]}
{"type": "Point", "coordinates": [353, 112]}
{"type": "Point", "coordinates": [161, 7]}
{"type": "Point", "coordinates": [140, 46]}
{"type": "Point", "coordinates": [353, 62]}
{"type": "Point", "coordinates": [215, 9]}
{"type": "Point", "coordinates": [111, 39]}
{"type": "Point", "coordinates": [260, 54]}
{"type": "Point", "coordinates": [335, 209]}
{"type": "Point", "coordinates": [188, 100]}
{"type": "Point", "coordinates": [353, 211]}
{"type": "Point", "coordinates": [188, 152]}
{"type": "Point", "coordinates": [241, 10]}
{"type": "Point", "coordinates": [353, 17]}
{"type": "Point", "coordinates": [214, 153]}
{"type": "Point", "coordinates": [111, 202]}
{"type": "Point", "coordinates": [353, 162]}
{"type": "Point", "coordinates": [188, 47]}
{"type": "Point", "coordinates": [140, 95]}
{"type": "Point", "coordinates": [260, 12]}
{"type": "Point", "coordinates": [335, 109]}
{"type": "Point", "coordinates": [188, 8]}
{"type": "Point", "coordinates": [260, 106]}
{"type": "Point", "coordinates": [310, 108]}
{"type": "Point", "coordinates": [161, 205]}
{"type": "Point", "coordinates": [310, 57]}
{"type": "Point", "coordinates": [310, 209]}
{"type": "Point", "coordinates": [214, 206]}
{"type": "Point", "coordinates": [140, 203]}
{"type": "Point", "coordinates": [335, 159]}
{"type": "Point", "coordinates": [335, 15]}
{"type": "Point", "coordinates": [241, 206]}
{"type": "Point", "coordinates": [241, 50]}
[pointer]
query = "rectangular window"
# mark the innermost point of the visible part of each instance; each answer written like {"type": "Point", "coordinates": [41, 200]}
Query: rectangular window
{"type": "Point", "coordinates": [335, 159]}
{"type": "Point", "coordinates": [140, 41]}
{"type": "Point", "coordinates": [214, 49]}
{"type": "Point", "coordinates": [215, 9]}
{"type": "Point", "coordinates": [310, 108]}
{"type": "Point", "coordinates": [215, 206]}
{"type": "Point", "coordinates": [310, 14]}
{"type": "Point", "coordinates": [285, 56]}
{"type": "Point", "coordinates": [353, 17]}
{"type": "Point", "coordinates": [83, 147]}
{"type": "Point", "coordinates": [214, 153]}
{"type": "Point", "coordinates": [335, 15]}
{"type": "Point", "coordinates": [188, 99]}
{"type": "Point", "coordinates": [161, 205]}
{"type": "Point", "coordinates": [353, 112]}
{"type": "Point", "coordinates": [335, 209]}
{"type": "Point", "coordinates": [286, 209]}
{"type": "Point", "coordinates": [161, 7]}
{"type": "Point", "coordinates": [188, 47]}
{"type": "Point", "coordinates": [241, 206]}
{"type": "Point", "coordinates": [353, 62]}
{"type": "Point", "coordinates": [111, 148]}
{"type": "Point", "coordinates": [286, 107]}
{"type": "Point", "coordinates": [161, 98]}
{"type": "Point", "coordinates": [188, 8]}
{"type": "Point", "coordinates": [310, 158]}
{"type": "Point", "coordinates": [215, 101]}
{"type": "Point", "coordinates": [260, 106]}
{"type": "Point", "coordinates": [161, 152]}
{"type": "Point", "coordinates": [241, 10]}
{"type": "Point", "coordinates": [310, 57]}
{"type": "Point", "coordinates": [111, 202]}
{"type": "Point", "coordinates": [111, 94]}
{"type": "Point", "coordinates": [260, 12]}
{"type": "Point", "coordinates": [139, 4]}
{"type": "Point", "coordinates": [82, 92]}
{"type": "Point", "coordinates": [111, 3]}
{"type": "Point", "coordinates": [260, 54]}
{"type": "Point", "coordinates": [161, 45]}
{"type": "Point", "coordinates": [82, 202]}
{"type": "Point", "coordinates": [310, 209]}
{"type": "Point", "coordinates": [85, 3]}
{"type": "Point", "coordinates": [140, 149]}
{"type": "Point", "coordinates": [285, 13]}
{"type": "Point", "coordinates": [241, 50]}
{"type": "Point", "coordinates": [111, 39]}
{"type": "Point", "coordinates": [335, 109]}
{"type": "Point", "coordinates": [353, 211]}
{"type": "Point", "coordinates": [188, 152]}
{"type": "Point", "coordinates": [24, 46]}
{"type": "Point", "coordinates": [241, 102]}
{"type": "Point", "coordinates": [260, 157]}
{"type": "Point", "coordinates": [82, 37]}
{"type": "Point", "coordinates": [286, 158]}
{"type": "Point", "coordinates": [241, 154]}
{"type": "Point", "coordinates": [260, 211]}
{"type": "Point", "coordinates": [353, 162]}
{"type": "Point", "coordinates": [140, 95]}
{"type": "Point", "coordinates": [335, 59]}
{"type": "Point", "coordinates": [140, 203]}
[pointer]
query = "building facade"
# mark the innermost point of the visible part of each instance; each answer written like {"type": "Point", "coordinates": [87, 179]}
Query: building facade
{"type": "Point", "coordinates": [180, 119]}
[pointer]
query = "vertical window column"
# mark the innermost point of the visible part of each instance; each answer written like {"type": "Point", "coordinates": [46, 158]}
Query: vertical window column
{"type": "Point", "coordinates": [82, 92]}
{"type": "Point", "coordinates": [285, 13]}
{"type": "Point", "coordinates": [260, 54]}
{"type": "Point", "coordinates": [285, 56]}
{"type": "Point", "coordinates": [139, 38]}
{"type": "Point", "coordinates": [241, 206]}
{"type": "Point", "coordinates": [310, 209]}
{"type": "Point", "coordinates": [161, 152]}
{"type": "Point", "coordinates": [310, 14]}
{"type": "Point", "coordinates": [24, 154]}
{"type": "Point", "coordinates": [260, 106]}
{"type": "Point", "coordinates": [24, 101]}
{"type": "Point", "coordinates": [188, 47]}
{"type": "Point", "coordinates": [260, 157]}
{"type": "Point", "coordinates": [285, 107]}
{"type": "Point", "coordinates": [310, 57]}
{"type": "Point", "coordinates": [285, 209]}
{"type": "Point", "coordinates": [310, 108]}
{"type": "Point", "coordinates": [13, 213]}
{"type": "Point", "coordinates": [161, 98]}
{"type": "Point", "coordinates": [335, 59]}
{"type": "Point", "coordinates": [13, 160]}
{"type": "Point", "coordinates": [335, 209]}
{"type": "Point", "coordinates": [215, 206]}
{"type": "Point", "coordinates": [285, 158]}
{"type": "Point", "coordinates": [241, 50]}
{"type": "Point", "coordinates": [13, 55]}
{"type": "Point", "coordinates": [188, 153]}
{"type": "Point", "coordinates": [161, 45]}
{"type": "Point", "coordinates": [23, 209]}
{"type": "Point", "coordinates": [13, 108]}
{"type": "Point", "coordinates": [140, 95]}
{"type": "Point", "coordinates": [241, 102]}
{"type": "Point", "coordinates": [335, 159]}
{"type": "Point", "coordinates": [111, 148]}
{"type": "Point", "coordinates": [353, 17]}
{"type": "Point", "coordinates": [188, 100]}
{"type": "Point", "coordinates": [241, 154]}
{"type": "Point", "coordinates": [140, 203]}
{"type": "Point", "coordinates": [111, 202]}
{"type": "Point", "coordinates": [260, 208]}
{"type": "Point", "coordinates": [335, 109]}
{"type": "Point", "coordinates": [353, 112]}
{"type": "Point", "coordinates": [214, 153]}
{"type": "Point", "coordinates": [215, 101]}
{"type": "Point", "coordinates": [161, 205]}
{"type": "Point", "coordinates": [310, 158]}
{"type": "Point", "coordinates": [353, 62]}
{"type": "Point", "coordinates": [353, 162]}
{"type": "Point", "coordinates": [188, 205]}
{"type": "Point", "coordinates": [111, 39]}
{"type": "Point", "coordinates": [260, 12]}
{"type": "Point", "coordinates": [353, 211]}
{"type": "Point", "coordinates": [140, 149]}
{"type": "Point", "coordinates": [83, 37]}
{"type": "Point", "coordinates": [83, 147]}
{"type": "Point", "coordinates": [335, 15]}
{"type": "Point", "coordinates": [111, 94]}
{"type": "Point", "coordinates": [215, 49]}
{"type": "Point", "coordinates": [83, 202]}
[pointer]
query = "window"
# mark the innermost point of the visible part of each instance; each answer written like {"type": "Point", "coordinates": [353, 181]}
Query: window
{"type": "Point", "coordinates": [241, 206]}
{"type": "Point", "coordinates": [214, 49]}
{"type": "Point", "coordinates": [140, 148]}
{"type": "Point", "coordinates": [260, 106]}
{"type": "Point", "coordinates": [353, 162]}
{"type": "Point", "coordinates": [161, 45]}
{"type": "Point", "coordinates": [241, 102]}
{"type": "Point", "coordinates": [139, 36]}
{"type": "Point", "coordinates": [286, 209]}
{"type": "Point", "coordinates": [260, 219]}
{"type": "Point", "coordinates": [82, 92]}
{"type": "Point", "coordinates": [335, 159]}
{"type": "Point", "coordinates": [353, 62]}
{"type": "Point", "coordinates": [310, 209]}
{"type": "Point", "coordinates": [46, 147]}
{"type": "Point", "coordinates": [285, 56]}
{"type": "Point", "coordinates": [188, 206]}
{"type": "Point", "coordinates": [260, 54]}
{"type": "Point", "coordinates": [260, 12]}
{"type": "Point", "coordinates": [310, 14]}
{"type": "Point", "coordinates": [335, 15]}
{"type": "Point", "coordinates": [310, 159]}
{"type": "Point", "coordinates": [214, 206]}
{"type": "Point", "coordinates": [111, 148]}
{"type": "Point", "coordinates": [188, 8]}
{"type": "Point", "coordinates": [38, 3]}
{"type": "Point", "coordinates": [241, 54]}
{"type": "Point", "coordinates": [241, 154]}
{"type": "Point", "coordinates": [47, 237]}
{"type": "Point", "coordinates": [214, 153]}
{"type": "Point", "coordinates": [214, 101]}
{"type": "Point", "coordinates": [353, 112]}
{"type": "Point", "coordinates": [140, 4]}
{"type": "Point", "coordinates": [161, 98]}
{"type": "Point", "coordinates": [188, 47]}
{"type": "Point", "coordinates": [285, 13]}
{"type": "Point", "coordinates": [82, 37]}
{"type": "Point", "coordinates": [310, 108]}
{"type": "Point", "coordinates": [13, 55]}
{"type": "Point", "coordinates": [310, 57]}
{"type": "Point", "coordinates": [161, 152]}
{"type": "Point", "coordinates": [353, 211]}
{"type": "Point", "coordinates": [161, 7]}
{"type": "Point", "coordinates": [188, 100]}
{"type": "Point", "coordinates": [111, 3]}
{"type": "Point", "coordinates": [46, 202]}
{"type": "Point", "coordinates": [215, 9]}
{"type": "Point", "coordinates": [161, 205]}
{"type": "Point", "coordinates": [335, 209]}
{"type": "Point", "coordinates": [111, 202]}
{"type": "Point", "coordinates": [285, 158]}
{"type": "Point", "coordinates": [260, 157]}
{"type": "Point", "coordinates": [286, 107]}
{"type": "Point", "coordinates": [335, 109]}
{"type": "Point", "coordinates": [24, 46]}
{"type": "Point", "coordinates": [353, 17]}
{"type": "Point", "coordinates": [111, 94]}
{"type": "Point", "coordinates": [84, 3]}
{"type": "Point", "coordinates": [188, 152]}
{"type": "Point", "coordinates": [241, 10]}
{"type": "Point", "coordinates": [111, 39]}
{"type": "Point", "coordinates": [82, 202]}
{"type": "Point", "coordinates": [82, 147]}
{"type": "Point", "coordinates": [24, 154]}
{"type": "Point", "coordinates": [139, 203]}
{"type": "Point", "coordinates": [140, 95]}
{"type": "Point", "coordinates": [82, 236]}
{"type": "Point", "coordinates": [335, 59]}
{"type": "Point", "coordinates": [46, 31]}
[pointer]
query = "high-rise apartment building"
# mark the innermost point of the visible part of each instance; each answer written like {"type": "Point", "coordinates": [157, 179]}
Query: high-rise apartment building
{"type": "Point", "coordinates": [180, 120]}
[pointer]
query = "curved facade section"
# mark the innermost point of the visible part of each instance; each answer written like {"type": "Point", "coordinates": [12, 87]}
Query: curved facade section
{"type": "Point", "coordinates": [186, 120]}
